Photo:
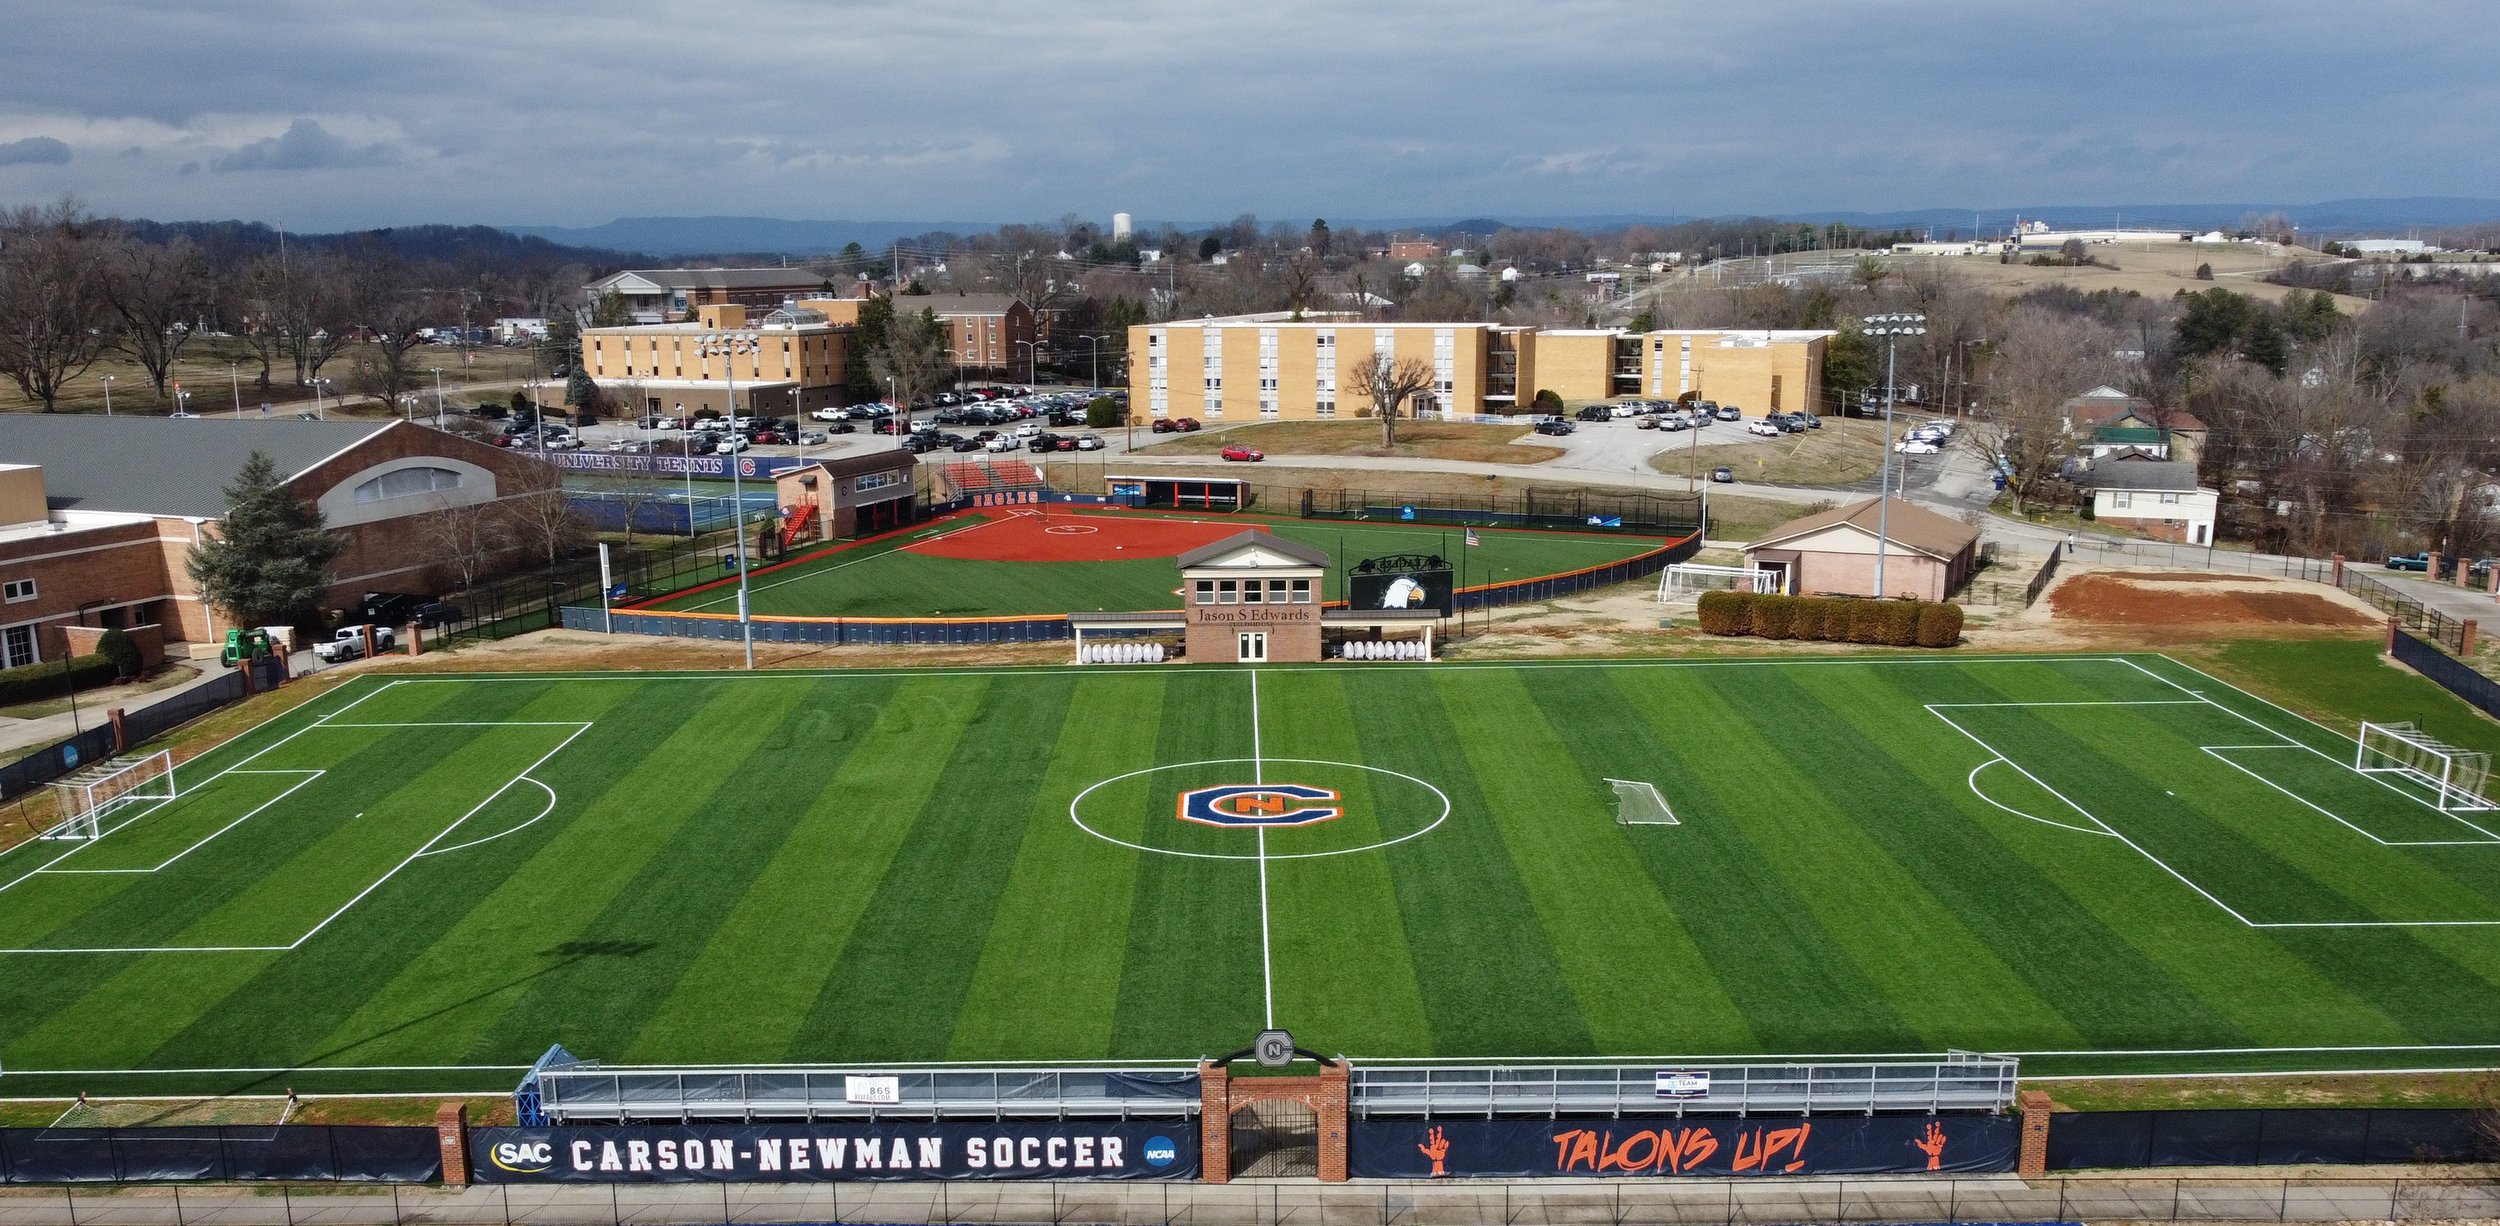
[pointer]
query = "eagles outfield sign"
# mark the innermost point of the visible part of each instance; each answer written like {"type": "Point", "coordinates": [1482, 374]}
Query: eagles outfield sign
{"type": "Point", "coordinates": [816, 1153]}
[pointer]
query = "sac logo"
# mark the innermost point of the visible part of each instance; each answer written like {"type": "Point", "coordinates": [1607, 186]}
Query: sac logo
{"type": "Point", "coordinates": [1259, 805]}
{"type": "Point", "coordinates": [524, 1157]}
{"type": "Point", "coordinates": [1160, 1151]}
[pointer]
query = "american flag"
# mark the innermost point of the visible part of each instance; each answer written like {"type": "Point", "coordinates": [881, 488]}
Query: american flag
{"type": "Point", "coordinates": [1472, 542]}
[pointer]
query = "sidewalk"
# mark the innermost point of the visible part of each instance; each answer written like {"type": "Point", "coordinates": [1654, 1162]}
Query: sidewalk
{"type": "Point", "coordinates": [2000, 1198]}
{"type": "Point", "coordinates": [19, 735]}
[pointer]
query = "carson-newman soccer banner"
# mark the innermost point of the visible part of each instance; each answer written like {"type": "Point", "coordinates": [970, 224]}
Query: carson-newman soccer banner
{"type": "Point", "coordinates": [813, 1153]}
{"type": "Point", "coordinates": [1820, 1145]}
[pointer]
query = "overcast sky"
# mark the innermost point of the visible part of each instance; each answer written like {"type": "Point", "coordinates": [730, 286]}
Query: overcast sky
{"type": "Point", "coordinates": [317, 114]}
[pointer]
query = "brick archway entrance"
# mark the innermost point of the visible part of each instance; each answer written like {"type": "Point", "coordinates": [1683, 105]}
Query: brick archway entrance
{"type": "Point", "coordinates": [1296, 1125]}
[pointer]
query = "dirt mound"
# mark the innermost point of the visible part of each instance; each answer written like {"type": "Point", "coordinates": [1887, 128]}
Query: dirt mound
{"type": "Point", "coordinates": [2135, 599]}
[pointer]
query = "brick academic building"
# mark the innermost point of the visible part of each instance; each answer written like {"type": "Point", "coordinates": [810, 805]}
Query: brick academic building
{"type": "Point", "coordinates": [98, 514]}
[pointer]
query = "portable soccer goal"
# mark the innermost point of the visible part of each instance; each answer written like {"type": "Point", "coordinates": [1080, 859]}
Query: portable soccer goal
{"type": "Point", "coordinates": [2455, 777]}
{"type": "Point", "coordinates": [1639, 804]}
{"type": "Point", "coordinates": [1688, 580]}
{"type": "Point", "coordinates": [90, 798]}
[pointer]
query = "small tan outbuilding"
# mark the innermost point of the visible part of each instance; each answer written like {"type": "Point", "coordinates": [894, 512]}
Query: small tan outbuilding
{"type": "Point", "coordinates": [1834, 553]}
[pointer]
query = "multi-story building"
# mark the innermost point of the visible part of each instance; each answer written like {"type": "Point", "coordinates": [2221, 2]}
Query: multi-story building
{"type": "Point", "coordinates": [786, 362]}
{"type": "Point", "coordinates": [1276, 367]}
{"type": "Point", "coordinates": [989, 336]}
{"type": "Point", "coordinates": [658, 295]}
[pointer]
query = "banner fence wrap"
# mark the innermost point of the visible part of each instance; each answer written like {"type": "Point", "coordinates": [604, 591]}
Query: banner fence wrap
{"type": "Point", "coordinates": [815, 1153]}
{"type": "Point", "coordinates": [1692, 1145]}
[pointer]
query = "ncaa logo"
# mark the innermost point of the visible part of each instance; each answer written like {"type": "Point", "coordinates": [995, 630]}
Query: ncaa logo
{"type": "Point", "coordinates": [1259, 805]}
{"type": "Point", "coordinates": [1161, 1152]}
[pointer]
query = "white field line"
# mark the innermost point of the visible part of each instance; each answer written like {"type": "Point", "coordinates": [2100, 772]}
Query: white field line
{"type": "Point", "coordinates": [2488, 838]}
{"type": "Point", "coordinates": [542, 813]}
{"type": "Point", "coordinates": [204, 840]}
{"type": "Point", "coordinates": [2088, 815]}
{"type": "Point", "coordinates": [1258, 774]}
{"type": "Point", "coordinates": [1973, 781]}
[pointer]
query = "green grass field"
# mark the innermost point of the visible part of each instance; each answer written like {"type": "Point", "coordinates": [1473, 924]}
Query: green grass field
{"type": "Point", "coordinates": [2104, 863]}
{"type": "Point", "coordinates": [883, 579]}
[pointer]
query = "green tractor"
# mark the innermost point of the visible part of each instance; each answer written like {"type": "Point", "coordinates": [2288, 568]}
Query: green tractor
{"type": "Point", "coordinates": [244, 645]}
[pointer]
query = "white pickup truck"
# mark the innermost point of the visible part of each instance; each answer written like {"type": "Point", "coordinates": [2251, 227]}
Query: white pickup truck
{"type": "Point", "coordinates": [349, 644]}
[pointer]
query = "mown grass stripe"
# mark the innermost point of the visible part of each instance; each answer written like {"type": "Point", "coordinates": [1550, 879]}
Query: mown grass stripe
{"type": "Point", "coordinates": [1048, 979]}
{"type": "Point", "coordinates": [775, 951]}
{"type": "Point", "coordinates": [1345, 977]}
{"type": "Point", "coordinates": [899, 984]}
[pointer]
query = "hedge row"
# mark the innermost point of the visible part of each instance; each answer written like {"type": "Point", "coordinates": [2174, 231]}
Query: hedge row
{"type": "Point", "coordinates": [36, 682]}
{"type": "Point", "coordinates": [1832, 619]}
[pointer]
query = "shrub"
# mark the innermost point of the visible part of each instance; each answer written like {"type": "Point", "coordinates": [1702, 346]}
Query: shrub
{"type": "Point", "coordinates": [1101, 413]}
{"type": "Point", "coordinates": [1939, 625]}
{"type": "Point", "coordinates": [114, 645]}
{"type": "Point", "coordinates": [35, 682]}
{"type": "Point", "coordinates": [1774, 616]}
{"type": "Point", "coordinates": [1822, 618]}
{"type": "Point", "coordinates": [1726, 612]}
{"type": "Point", "coordinates": [1901, 622]}
{"type": "Point", "coordinates": [1547, 401]}
{"type": "Point", "coordinates": [1866, 621]}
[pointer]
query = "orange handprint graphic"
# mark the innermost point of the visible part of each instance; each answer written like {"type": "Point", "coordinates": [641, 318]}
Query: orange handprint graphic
{"type": "Point", "coordinates": [1436, 1146]}
{"type": "Point", "coordinates": [1932, 1145]}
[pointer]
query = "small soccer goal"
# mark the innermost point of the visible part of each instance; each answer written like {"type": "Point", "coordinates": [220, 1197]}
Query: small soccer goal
{"type": "Point", "coordinates": [93, 795]}
{"type": "Point", "coordinates": [1639, 804]}
{"type": "Point", "coordinates": [2455, 777]}
{"type": "Point", "coordinates": [1688, 580]}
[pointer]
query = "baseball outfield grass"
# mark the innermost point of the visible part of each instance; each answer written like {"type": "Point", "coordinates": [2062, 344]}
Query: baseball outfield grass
{"type": "Point", "coordinates": [2109, 864]}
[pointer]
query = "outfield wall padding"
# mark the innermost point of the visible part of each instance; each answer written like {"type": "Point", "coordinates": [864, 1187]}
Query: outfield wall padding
{"type": "Point", "coordinates": [323, 1153]}
{"type": "Point", "coordinates": [2093, 1140]}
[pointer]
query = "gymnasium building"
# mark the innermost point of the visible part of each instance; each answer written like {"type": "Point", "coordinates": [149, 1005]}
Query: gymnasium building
{"type": "Point", "coordinates": [1274, 367]}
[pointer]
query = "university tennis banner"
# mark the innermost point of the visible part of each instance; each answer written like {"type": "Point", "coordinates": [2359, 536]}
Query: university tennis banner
{"type": "Point", "coordinates": [815, 1153]}
{"type": "Point", "coordinates": [715, 467]}
{"type": "Point", "coordinates": [1757, 1145]}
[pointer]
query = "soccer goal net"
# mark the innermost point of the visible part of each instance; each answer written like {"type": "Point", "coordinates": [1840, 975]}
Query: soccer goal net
{"type": "Point", "coordinates": [90, 797]}
{"type": "Point", "coordinates": [1639, 804]}
{"type": "Point", "coordinates": [2456, 777]}
{"type": "Point", "coordinates": [1688, 580]}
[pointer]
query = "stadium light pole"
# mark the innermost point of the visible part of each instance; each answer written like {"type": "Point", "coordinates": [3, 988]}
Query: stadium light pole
{"type": "Point", "coordinates": [727, 346]}
{"type": "Point", "coordinates": [1892, 328]}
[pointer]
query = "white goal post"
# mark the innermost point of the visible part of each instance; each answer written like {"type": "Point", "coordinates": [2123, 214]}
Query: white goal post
{"type": "Point", "coordinates": [94, 794]}
{"type": "Point", "coordinates": [1688, 580]}
{"type": "Point", "coordinates": [2456, 777]}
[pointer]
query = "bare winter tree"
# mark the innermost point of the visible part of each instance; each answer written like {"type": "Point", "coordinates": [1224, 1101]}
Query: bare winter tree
{"type": "Point", "coordinates": [915, 357]}
{"type": "Point", "coordinates": [542, 520]}
{"type": "Point", "coordinates": [1388, 383]}
{"type": "Point", "coordinates": [54, 316]}
{"type": "Point", "coordinates": [397, 310]}
{"type": "Point", "coordinates": [2042, 360]}
{"type": "Point", "coordinates": [158, 292]}
{"type": "Point", "coordinates": [465, 539]}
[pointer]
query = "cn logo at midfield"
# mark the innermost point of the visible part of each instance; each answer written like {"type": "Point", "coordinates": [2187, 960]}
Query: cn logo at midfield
{"type": "Point", "coordinates": [1259, 804]}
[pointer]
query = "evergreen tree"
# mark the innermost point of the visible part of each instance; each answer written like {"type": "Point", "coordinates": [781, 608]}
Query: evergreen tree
{"type": "Point", "coordinates": [876, 320]}
{"type": "Point", "coordinates": [270, 560]}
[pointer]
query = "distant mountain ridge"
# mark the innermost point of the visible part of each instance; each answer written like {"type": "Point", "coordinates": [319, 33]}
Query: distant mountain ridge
{"type": "Point", "coordinates": [680, 237]}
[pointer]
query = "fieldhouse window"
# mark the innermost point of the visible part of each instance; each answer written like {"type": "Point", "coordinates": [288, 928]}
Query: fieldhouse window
{"type": "Point", "coordinates": [401, 483]}
{"type": "Point", "coordinates": [1206, 591]}
{"type": "Point", "coordinates": [18, 589]}
{"type": "Point", "coordinates": [1224, 592]}
{"type": "Point", "coordinates": [1302, 591]}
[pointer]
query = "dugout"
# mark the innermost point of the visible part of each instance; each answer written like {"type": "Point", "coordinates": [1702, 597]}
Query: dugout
{"type": "Point", "coordinates": [846, 496]}
{"type": "Point", "coordinates": [1187, 494]}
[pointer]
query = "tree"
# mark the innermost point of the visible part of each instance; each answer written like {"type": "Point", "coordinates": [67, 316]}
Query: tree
{"type": "Point", "coordinates": [54, 315]}
{"type": "Point", "coordinates": [579, 390]}
{"type": "Point", "coordinates": [1388, 383]}
{"type": "Point", "coordinates": [1319, 237]}
{"type": "Point", "coordinates": [1102, 413]}
{"type": "Point", "coordinates": [915, 359]}
{"type": "Point", "coordinates": [269, 562]}
{"type": "Point", "coordinates": [399, 312]}
{"type": "Point", "coordinates": [2043, 359]}
{"type": "Point", "coordinates": [1850, 363]}
{"type": "Point", "coordinates": [610, 311]}
{"type": "Point", "coordinates": [543, 520]}
{"type": "Point", "coordinates": [158, 291]}
{"type": "Point", "coordinates": [876, 321]}
{"type": "Point", "coordinates": [466, 538]}
{"type": "Point", "coordinates": [128, 660]}
{"type": "Point", "coordinates": [1208, 246]}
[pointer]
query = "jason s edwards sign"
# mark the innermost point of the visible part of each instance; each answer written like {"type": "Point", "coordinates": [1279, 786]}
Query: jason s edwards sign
{"type": "Point", "coordinates": [810, 1153]}
{"type": "Point", "coordinates": [1692, 1145]}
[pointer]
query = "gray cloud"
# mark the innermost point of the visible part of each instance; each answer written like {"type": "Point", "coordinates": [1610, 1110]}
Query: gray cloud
{"type": "Point", "coordinates": [34, 150]}
{"type": "Point", "coordinates": [305, 145]}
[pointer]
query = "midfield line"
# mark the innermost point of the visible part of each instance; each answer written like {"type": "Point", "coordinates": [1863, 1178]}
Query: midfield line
{"type": "Point", "coordinates": [1258, 774]}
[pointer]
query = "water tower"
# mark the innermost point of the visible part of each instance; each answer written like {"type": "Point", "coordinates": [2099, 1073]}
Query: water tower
{"type": "Point", "coordinates": [1120, 225]}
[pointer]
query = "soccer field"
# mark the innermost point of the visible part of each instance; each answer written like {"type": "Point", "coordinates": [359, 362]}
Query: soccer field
{"type": "Point", "coordinates": [2102, 863]}
{"type": "Point", "coordinates": [1017, 561]}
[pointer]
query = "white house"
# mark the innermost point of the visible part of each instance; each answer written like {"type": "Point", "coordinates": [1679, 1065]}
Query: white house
{"type": "Point", "coordinates": [2159, 498]}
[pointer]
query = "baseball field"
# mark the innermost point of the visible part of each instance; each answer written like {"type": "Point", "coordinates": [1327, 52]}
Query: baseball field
{"type": "Point", "coordinates": [2104, 863]}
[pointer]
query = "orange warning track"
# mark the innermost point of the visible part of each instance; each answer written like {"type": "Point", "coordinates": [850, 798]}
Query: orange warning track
{"type": "Point", "coordinates": [1018, 534]}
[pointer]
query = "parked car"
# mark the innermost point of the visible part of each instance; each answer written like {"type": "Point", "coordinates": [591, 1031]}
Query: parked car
{"type": "Point", "coordinates": [1814, 421]}
{"type": "Point", "coordinates": [1762, 427]}
{"type": "Point", "coordinates": [730, 444]}
{"type": "Point", "coordinates": [1627, 409]}
{"type": "Point", "coordinates": [1186, 425]}
{"type": "Point", "coordinates": [1239, 452]}
{"type": "Point", "coordinates": [961, 445]}
{"type": "Point", "coordinates": [1002, 443]}
{"type": "Point", "coordinates": [1914, 446]}
{"type": "Point", "coordinates": [1556, 428]}
{"type": "Point", "coordinates": [1061, 442]}
{"type": "Point", "coordinates": [1723, 475]}
{"type": "Point", "coordinates": [565, 443]}
{"type": "Point", "coordinates": [1646, 423]}
{"type": "Point", "coordinates": [1089, 442]}
{"type": "Point", "coordinates": [1162, 425]}
{"type": "Point", "coordinates": [349, 643]}
{"type": "Point", "coordinates": [1595, 412]}
{"type": "Point", "coordinates": [1730, 413]}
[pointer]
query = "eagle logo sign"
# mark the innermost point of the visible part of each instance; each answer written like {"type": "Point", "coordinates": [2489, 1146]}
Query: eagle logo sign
{"type": "Point", "coordinates": [1259, 805]}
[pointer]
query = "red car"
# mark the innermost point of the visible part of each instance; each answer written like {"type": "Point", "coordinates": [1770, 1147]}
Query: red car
{"type": "Point", "coordinates": [1239, 452]}
{"type": "Point", "coordinates": [1163, 425]}
{"type": "Point", "coordinates": [1186, 425]}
